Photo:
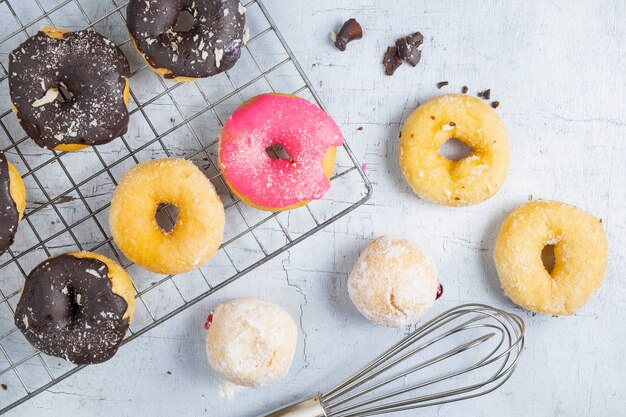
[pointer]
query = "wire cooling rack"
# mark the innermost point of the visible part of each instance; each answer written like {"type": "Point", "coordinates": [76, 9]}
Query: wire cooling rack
{"type": "Point", "coordinates": [69, 193]}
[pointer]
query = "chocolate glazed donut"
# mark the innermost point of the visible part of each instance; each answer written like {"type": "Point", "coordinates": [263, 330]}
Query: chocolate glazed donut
{"type": "Point", "coordinates": [211, 46]}
{"type": "Point", "coordinates": [84, 63]}
{"type": "Point", "coordinates": [9, 214]}
{"type": "Point", "coordinates": [68, 309]}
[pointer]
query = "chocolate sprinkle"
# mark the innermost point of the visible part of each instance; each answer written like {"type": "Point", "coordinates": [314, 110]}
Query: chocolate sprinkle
{"type": "Point", "coordinates": [211, 46]}
{"type": "Point", "coordinates": [464, 90]}
{"type": "Point", "coordinates": [90, 67]}
{"type": "Point", "coordinates": [391, 60]}
{"type": "Point", "coordinates": [495, 104]}
{"type": "Point", "coordinates": [9, 216]}
{"type": "Point", "coordinates": [441, 84]}
{"type": "Point", "coordinates": [351, 30]}
{"type": "Point", "coordinates": [68, 310]}
{"type": "Point", "coordinates": [485, 95]}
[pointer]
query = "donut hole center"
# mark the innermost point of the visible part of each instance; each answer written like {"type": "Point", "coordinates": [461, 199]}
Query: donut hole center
{"type": "Point", "coordinates": [166, 216]}
{"type": "Point", "coordinates": [60, 94]}
{"type": "Point", "coordinates": [74, 302]}
{"type": "Point", "coordinates": [65, 95]}
{"type": "Point", "coordinates": [277, 151]}
{"type": "Point", "coordinates": [185, 21]}
{"type": "Point", "coordinates": [548, 258]}
{"type": "Point", "coordinates": [455, 150]}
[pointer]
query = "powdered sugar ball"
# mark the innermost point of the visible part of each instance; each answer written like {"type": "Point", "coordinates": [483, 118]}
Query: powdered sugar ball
{"type": "Point", "coordinates": [250, 342]}
{"type": "Point", "coordinates": [393, 283]}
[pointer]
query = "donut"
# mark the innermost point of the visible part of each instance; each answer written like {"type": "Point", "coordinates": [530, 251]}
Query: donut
{"type": "Point", "coordinates": [307, 134]}
{"type": "Point", "coordinates": [438, 179]}
{"type": "Point", "coordinates": [198, 231]}
{"type": "Point", "coordinates": [250, 342]}
{"type": "Point", "coordinates": [12, 202]}
{"type": "Point", "coordinates": [393, 283]}
{"type": "Point", "coordinates": [212, 45]}
{"type": "Point", "coordinates": [580, 252]}
{"type": "Point", "coordinates": [76, 306]}
{"type": "Point", "coordinates": [86, 64]}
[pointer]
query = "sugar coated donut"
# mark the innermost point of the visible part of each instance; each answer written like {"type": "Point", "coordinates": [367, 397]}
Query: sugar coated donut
{"type": "Point", "coordinates": [393, 282]}
{"type": "Point", "coordinates": [76, 306]}
{"type": "Point", "coordinates": [12, 202]}
{"type": "Point", "coordinates": [580, 251]}
{"type": "Point", "coordinates": [198, 231]}
{"type": "Point", "coordinates": [438, 179]}
{"type": "Point", "coordinates": [86, 64]}
{"type": "Point", "coordinates": [307, 134]}
{"type": "Point", "coordinates": [212, 44]}
{"type": "Point", "coordinates": [250, 342]}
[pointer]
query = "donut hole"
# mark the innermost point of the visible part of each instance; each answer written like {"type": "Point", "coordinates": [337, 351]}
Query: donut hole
{"type": "Point", "coordinates": [65, 95]}
{"type": "Point", "coordinates": [185, 21]}
{"type": "Point", "coordinates": [74, 301]}
{"type": "Point", "coordinates": [277, 151]}
{"type": "Point", "coordinates": [548, 258]}
{"type": "Point", "coordinates": [166, 216]}
{"type": "Point", "coordinates": [455, 150]}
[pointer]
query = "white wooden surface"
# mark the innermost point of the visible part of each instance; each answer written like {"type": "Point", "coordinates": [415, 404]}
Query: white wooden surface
{"type": "Point", "coordinates": [557, 69]}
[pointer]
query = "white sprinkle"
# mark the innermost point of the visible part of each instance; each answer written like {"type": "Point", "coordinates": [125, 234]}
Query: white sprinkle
{"type": "Point", "coordinates": [226, 11]}
{"type": "Point", "coordinates": [65, 290]}
{"type": "Point", "coordinates": [242, 9]}
{"type": "Point", "coordinates": [205, 54]}
{"type": "Point", "coordinates": [447, 127]}
{"type": "Point", "coordinates": [25, 321]}
{"type": "Point", "coordinates": [78, 296]}
{"type": "Point", "coordinates": [333, 36]}
{"type": "Point", "coordinates": [50, 96]}
{"type": "Point", "coordinates": [93, 272]}
{"type": "Point", "coordinates": [219, 54]}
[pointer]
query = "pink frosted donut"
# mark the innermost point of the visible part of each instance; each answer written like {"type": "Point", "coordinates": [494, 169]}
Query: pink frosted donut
{"type": "Point", "coordinates": [307, 134]}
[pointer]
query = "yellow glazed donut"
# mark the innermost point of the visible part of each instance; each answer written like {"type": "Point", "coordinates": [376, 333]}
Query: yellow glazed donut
{"type": "Point", "coordinates": [198, 230]}
{"type": "Point", "coordinates": [436, 178]}
{"type": "Point", "coordinates": [580, 251]}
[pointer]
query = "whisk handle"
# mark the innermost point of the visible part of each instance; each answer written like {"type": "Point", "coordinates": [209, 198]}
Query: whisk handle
{"type": "Point", "coordinates": [311, 407]}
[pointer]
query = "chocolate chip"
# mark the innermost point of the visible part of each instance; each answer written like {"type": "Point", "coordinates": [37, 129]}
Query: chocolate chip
{"type": "Point", "coordinates": [359, 128]}
{"type": "Point", "coordinates": [391, 60]}
{"type": "Point", "coordinates": [432, 117]}
{"type": "Point", "coordinates": [351, 30]}
{"type": "Point", "coordinates": [485, 95]}
{"type": "Point", "coordinates": [495, 104]}
{"type": "Point", "coordinates": [464, 90]}
{"type": "Point", "coordinates": [4, 386]}
{"type": "Point", "coordinates": [169, 372]}
{"type": "Point", "coordinates": [452, 123]}
{"type": "Point", "coordinates": [409, 48]}
{"type": "Point", "coordinates": [441, 84]}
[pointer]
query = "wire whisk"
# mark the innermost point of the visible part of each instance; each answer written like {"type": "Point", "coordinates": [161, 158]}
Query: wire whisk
{"type": "Point", "coordinates": [465, 352]}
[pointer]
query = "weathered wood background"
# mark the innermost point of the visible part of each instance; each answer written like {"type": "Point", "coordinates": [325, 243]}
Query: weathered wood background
{"type": "Point", "coordinates": [557, 68]}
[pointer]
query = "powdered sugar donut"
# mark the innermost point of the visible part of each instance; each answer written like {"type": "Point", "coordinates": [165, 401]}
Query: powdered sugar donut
{"type": "Point", "coordinates": [393, 283]}
{"type": "Point", "coordinates": [307, 134]}
{"type": "Point", "coordinates": [250, 342]}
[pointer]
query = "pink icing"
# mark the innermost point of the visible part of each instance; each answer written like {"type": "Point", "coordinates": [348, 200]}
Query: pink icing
{"type": "Point", "coordinates": [303, 130]}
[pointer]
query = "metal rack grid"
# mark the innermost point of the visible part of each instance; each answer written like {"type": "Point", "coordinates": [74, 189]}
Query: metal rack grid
{"type": "Point", "coordinates": [69, 193]}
